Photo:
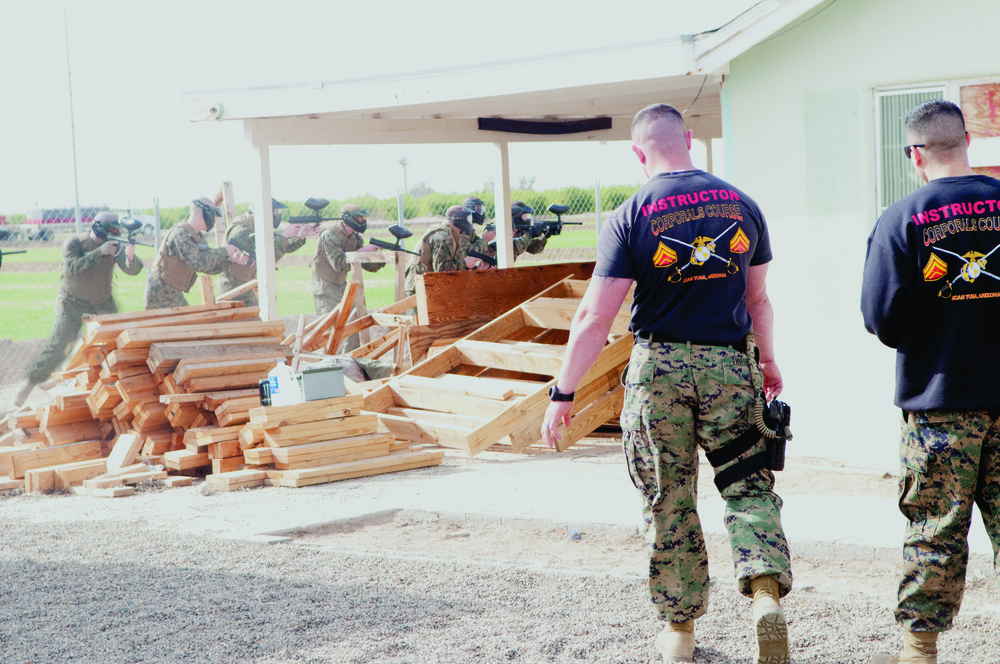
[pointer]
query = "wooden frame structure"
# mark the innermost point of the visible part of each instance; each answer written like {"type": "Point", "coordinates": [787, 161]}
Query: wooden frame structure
{"type": "Point", "coordinates": [490, 388]}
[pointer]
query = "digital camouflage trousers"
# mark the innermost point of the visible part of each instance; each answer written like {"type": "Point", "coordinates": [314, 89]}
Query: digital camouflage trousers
{"type": "Point", "coordinates": [949, 460]}
{"type": "Point", "coordinates": [680, 397]}
{"type": "Point", "coordinates": [65, 330]}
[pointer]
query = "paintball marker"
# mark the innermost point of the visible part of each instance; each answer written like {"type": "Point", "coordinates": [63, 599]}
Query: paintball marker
{"type": "Point", "coordinates": [489, 260]}
{"type": "Point", "coordinates": [543, 227]}
{"type": "Point", "coordinates": [399, 233]}
{"type": "Point", "coordinates": [133, 226]}
{"type": "Point", "coordinates": [317, 205]}
{"type": "Point", "coordinates": [8, 253]}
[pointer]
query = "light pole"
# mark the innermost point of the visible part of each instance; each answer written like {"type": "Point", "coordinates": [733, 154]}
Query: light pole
{"type": "Point", "coordinates": [404, 162]}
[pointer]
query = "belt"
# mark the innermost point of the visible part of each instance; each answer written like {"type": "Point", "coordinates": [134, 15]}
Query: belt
{"type": "Point", "coordinates": [660, 338]}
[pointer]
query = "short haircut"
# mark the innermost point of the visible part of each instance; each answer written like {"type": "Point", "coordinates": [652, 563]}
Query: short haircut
{"type": "Point", "coordinates": [939, 124]}
{"type": "Point", "coordinates": [654, 113]}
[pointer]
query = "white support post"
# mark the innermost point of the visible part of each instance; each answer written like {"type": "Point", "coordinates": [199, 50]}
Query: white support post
{"type": "Point", "coordinates": [264, 238]}
{"type": "Point", "coordinates": [501, 202]}
{"type": "Point", "coordinates": [707, 142]}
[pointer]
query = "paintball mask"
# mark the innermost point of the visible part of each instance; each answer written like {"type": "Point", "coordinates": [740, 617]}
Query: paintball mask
{"type": "Point", "coordinates": [276, 208]}
{"type": "Point", "coordinates": [520, 212]}
{"type": "Point", "coordinates": [208, 213]}
{"type": "Point", "coordinates": [460, 218]}
{"type": "Point", "coordinates": [477, 207]}
{"type": "Point", "coordinates": [105, 224]}
{"type": "Point", "coordinates": [355, 216]}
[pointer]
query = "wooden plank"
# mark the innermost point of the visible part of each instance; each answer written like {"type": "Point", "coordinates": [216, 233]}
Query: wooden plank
{"type": "Point", "coordinates": [73, 433]}
{"type": "Point", "coordinates": [235, 381]}
{"type": "Point", "coordinates": [21, 462]}
{"type": "Point", "coordinates": [7, 484]}
{"type": "Point", "coordinates": [327, 448]}
{"type": "Point", "coordinates": [124, 452]}
{"type": "Point", "coordinates": [210, 435]}
{"type": "Point", "coordinates": [419, 398]}
{"type": "Point", "coordinates": [237, 479]}
{"type": "Point", "coordinates": [52, 415]}
{"type": "Point", "coordinates": [185, 460]}
{"type": "Point", "coordinates": [164, 356]}
{"type": "Point", "coordinates": [187, 369]}
{"type": "Point", "coordinates": [346, 306]}
{"type": "Point", "coordinates": [450, 296]}
{"type": "Point", "coordinates": [312, 432]}
{"type": "Point", "coordinates": [157, 313]}
{"type": "Point", "coordinates": [105, 333]}
{"type": "Point", "coordinates": [443, 386]}
{"type": "Point", "coordinates": [309, 411]}
{"type": "Point", "coordinates": [342, 471]}
{"type": "Point", "coordinates": [71, 399]}
{"type": "Point", "coordinates": [466, 421]}
{"type": "Point", "coordinates": [539, 359]}
{"type": "Point", "coordinates": [259, 456]}
{"type": "Point", "coordinates": [144, 337]}
{"type": "Point", "coordinates": [76, 473]}
{"type": "Point", "coordinates": [426, 431]}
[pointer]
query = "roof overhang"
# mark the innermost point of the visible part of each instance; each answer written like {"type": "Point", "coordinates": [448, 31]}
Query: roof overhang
{"type": "Point", "coordinates": [444, 105]}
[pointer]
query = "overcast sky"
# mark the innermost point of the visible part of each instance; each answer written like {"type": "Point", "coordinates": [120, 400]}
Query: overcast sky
{"type": "Point", "coordinates": [132, 61]}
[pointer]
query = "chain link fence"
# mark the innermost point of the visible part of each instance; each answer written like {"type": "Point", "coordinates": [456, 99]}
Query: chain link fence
{"type": "Point", "coordinates": [31, 258]}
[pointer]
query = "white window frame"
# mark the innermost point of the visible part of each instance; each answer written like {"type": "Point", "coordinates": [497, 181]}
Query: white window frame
{"type": "Point", "coordinates": [943, 89]}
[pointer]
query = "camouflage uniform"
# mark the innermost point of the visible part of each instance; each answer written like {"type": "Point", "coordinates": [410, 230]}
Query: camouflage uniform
{"type": "Point", "coordinates": [241, 234]}
{"type": "Point", "coordinates": [330, 270]}
{"type": "Point", "coordinates": [439, 252]}
{"type": "Point", "coordinates": [182, 254]}
{"type": "Point", "coordinates": [680, 397]}
{"type": "Point", "coordinates": [85, 289]}
{"type": "Point", "coordinates": [948, 461]}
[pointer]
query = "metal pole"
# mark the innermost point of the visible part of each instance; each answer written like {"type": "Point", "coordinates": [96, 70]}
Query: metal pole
{"type": "Point", "coordinates": [400, 213]}
{"type": "Point", "coordinates": [72, 128]}
{"type": "Point", "coordinates": [156, 223]}
{"type": "Point", "coordinates": [597, 204]}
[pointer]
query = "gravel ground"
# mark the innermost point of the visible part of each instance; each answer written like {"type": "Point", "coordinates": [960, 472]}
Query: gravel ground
{"type": "Point", "coordinates": [174, 575]}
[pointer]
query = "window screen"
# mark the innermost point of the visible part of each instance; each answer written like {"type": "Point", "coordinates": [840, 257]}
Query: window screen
{"type": "Point", "coordinates": [896, 177]}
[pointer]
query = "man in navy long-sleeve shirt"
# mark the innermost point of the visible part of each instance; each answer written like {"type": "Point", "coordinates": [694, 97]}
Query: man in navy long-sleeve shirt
{"type": "Point", "coordinates": [931, 290]}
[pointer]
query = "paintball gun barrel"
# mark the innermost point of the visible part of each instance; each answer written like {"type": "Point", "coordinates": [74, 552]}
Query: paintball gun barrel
{"type": "Point", "coordinates": [540, 227]}
{"type": "Point", "coordinates": [547, 227]}
{"type": "Point", "coordinates": [317, 205]}
{"type": "Point", "coordinates": [8, 253]}
{"type": "Point", "coordinates": [400, 234]}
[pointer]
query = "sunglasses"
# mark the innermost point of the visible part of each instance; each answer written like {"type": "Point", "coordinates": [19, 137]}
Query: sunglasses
{"type": "Point", "coordinates": [907, 148]}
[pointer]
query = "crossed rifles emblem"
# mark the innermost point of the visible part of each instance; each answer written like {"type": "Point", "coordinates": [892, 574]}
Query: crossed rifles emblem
{"type": "Point", "coordinates": [702, 249]}
{"type": "Point", "coordinates": [973, 266]}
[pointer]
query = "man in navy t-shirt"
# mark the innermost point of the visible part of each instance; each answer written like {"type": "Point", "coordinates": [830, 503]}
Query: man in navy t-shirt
{"type": "Point", "coordinates": [931, 290]}
{"type": "Point", "coordinates": [697, 250]}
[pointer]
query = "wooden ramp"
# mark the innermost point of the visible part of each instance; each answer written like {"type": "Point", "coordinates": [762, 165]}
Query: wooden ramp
{"type": "Point", "coordinates": [490, 388]}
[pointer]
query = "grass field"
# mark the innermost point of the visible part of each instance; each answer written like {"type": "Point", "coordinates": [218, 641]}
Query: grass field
{"type": "Point", "coordinates": [29, 282]}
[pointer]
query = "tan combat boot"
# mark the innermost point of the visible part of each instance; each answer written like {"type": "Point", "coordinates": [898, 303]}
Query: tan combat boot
{"type": "Point", "coordinates": [676, 642]}
{"type": "Point", "coordinates": [769, 622]}
{"type": "Point", "coordinates": [918, 648]}
{"type": "Point", "coordinates": [23, 390]}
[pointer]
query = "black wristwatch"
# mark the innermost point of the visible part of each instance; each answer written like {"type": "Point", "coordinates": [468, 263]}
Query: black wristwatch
{"type": "Point", "coordinates": [556, 395]}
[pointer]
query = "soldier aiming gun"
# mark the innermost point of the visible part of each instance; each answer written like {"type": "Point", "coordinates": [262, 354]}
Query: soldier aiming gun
{"type": "Point", "coordinates": [88, 265]}
{"type": "Point", "coordinates": [183, 254]}
{"type": "Point", "coordinates": [330, 265]}
{"type": "Point", "coordinates": [241, 234]}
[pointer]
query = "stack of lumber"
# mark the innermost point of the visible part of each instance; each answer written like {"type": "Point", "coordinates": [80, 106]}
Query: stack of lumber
{"type": "Point", "coordinates": [303, 444]}
{"type": "Point", "coordinates": [489, 389]}
{"type": "Point", "coordinates": [149, 375]}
